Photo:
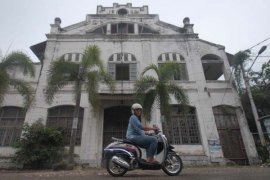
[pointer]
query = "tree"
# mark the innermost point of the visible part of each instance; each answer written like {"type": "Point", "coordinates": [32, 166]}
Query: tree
{"type": "Point", "coordinates": [239, 61]}
{"type": "Point", "coordinates": [159, 88]}
{"type": "Point", "coordinates": [22, 62]}
{"type": "Point", "coordinates": [89, 72]}
{"type": "Point", "coordinates": [39, 146]}
{"type": "Point", "coordinates": [261, 88]}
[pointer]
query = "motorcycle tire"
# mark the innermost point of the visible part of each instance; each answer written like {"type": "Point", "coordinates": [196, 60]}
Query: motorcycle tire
{"type": "Point", "coordinates": [172, 165]}
{"type": "Point", "coordinates": [114, 169]}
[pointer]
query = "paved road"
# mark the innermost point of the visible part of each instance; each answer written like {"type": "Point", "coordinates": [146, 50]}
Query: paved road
{"type": "Point", "coordinates": [194, 173]}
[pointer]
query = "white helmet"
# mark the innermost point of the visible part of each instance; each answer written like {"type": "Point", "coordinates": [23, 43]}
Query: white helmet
{"type": "Point", "coordinates": [135, 106]}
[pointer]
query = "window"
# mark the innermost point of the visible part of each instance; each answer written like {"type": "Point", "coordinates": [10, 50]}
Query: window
{"type": "Point", "coordinates": [122, 66]}
{"type": "Point", "coordinates": [62, 117]}
{"type": "Point", "coordinates": [183, 127]}
{"type": "Point", "coordinates": [212, 67]}
{"type": "Point", "coordinates": [122, 12]}
{"type": "Point", "coordinates": [177, 58]}
{"type": "Point", "coordinates": [122, 72]}
{"type": "Point", "coordinates": [69, 57]}
{"type": "Point", "coordinates": [122, 28]}
{"type": "Point", "coordinates": [11, 123]}
{"type": "Point", "coordinates": [114, 28]}
{"type": "Point", "coordinates": [183, 75]}
{"type": "Point", "coordinates": [72, 57]}
{"type": "Point", "coordinates": [146, 30]}
{"type": "Point", "coordinates": [101, 30]}
{"type": "Point", "coordinates": [77, 57]}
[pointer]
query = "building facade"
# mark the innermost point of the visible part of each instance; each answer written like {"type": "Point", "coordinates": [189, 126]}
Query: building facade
{"type": "Point", "coordinates": [214, 130]}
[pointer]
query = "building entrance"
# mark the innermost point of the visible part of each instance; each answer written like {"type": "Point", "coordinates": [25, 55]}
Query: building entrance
{"type": "Point", "coordinates": [230, 135]}
{"type": "Point", "coordinates": [115, 123]}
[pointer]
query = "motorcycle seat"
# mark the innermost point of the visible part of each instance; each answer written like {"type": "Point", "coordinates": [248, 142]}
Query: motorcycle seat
{"type": "Point", "coordinates": [123, 140]}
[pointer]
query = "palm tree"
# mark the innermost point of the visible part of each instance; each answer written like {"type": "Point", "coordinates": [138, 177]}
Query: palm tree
{"type": "Point", "coordinates": [159, 88]}
{"type": "Point", "coordinates": [88, 72]}
{"type": "Point", "coordinates": [21, 61]}
{"type": "Point", "coordinates": [239, 62]}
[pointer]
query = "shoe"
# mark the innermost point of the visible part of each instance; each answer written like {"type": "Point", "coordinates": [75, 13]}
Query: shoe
{"type": "Point", "coordinates": [153, 162]}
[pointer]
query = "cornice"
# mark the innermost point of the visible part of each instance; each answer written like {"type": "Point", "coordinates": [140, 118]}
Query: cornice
{"type": "Point", "coordinates": [119, 37]}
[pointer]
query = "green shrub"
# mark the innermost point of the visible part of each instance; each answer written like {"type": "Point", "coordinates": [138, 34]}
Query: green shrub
{"type": "Point", "coordinates": [39, 147]}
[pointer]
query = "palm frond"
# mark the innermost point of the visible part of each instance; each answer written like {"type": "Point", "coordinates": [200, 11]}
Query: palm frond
{"type": "Point", "coordinates": [151, 67]}
{"type": "Point", "coordinates": [108, 80]}
{"type": "Point", "coordinates": [239, 60]}
{"type": "Point", "coordinates": [169, 69]}
{"type": "Point", "coordinates": [92, 89]}
{"type": "Point", "coordinates": [91, 58]}
{"type": "Point", "coordinates": [164, 100]}
{"type": "Point", "coordinates": [4, 85]}
{"type": "Point", "coordinates": [144, 83]}
{"type": "Point", "coordinates": [178, 93]}
{"type": "Point", "coordinates": [20, 60]}
{"type": "Point", "coordinates": [60, 74]}
{"type": "Point", "coordinates": [24, 89]}
{"type": "Point", "coordinates": [147, 102]}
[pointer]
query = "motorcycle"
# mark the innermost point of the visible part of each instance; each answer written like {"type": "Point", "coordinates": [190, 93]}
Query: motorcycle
{"type": "Point", "coordinates": [123, 155]}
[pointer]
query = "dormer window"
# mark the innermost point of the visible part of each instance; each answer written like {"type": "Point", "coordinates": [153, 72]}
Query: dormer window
{"type": "Point", "coordinates": [122, 12]}
{"type": "Point", "coordinates": [123, 28]}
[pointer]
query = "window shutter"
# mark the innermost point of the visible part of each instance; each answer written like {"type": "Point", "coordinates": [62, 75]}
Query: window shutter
{"type": "Point", "coordinates": [133, 71]}
{"type": "Point", "coordinates": [184, 75]}
{"type": "Point", "coordinates": [111, 69]}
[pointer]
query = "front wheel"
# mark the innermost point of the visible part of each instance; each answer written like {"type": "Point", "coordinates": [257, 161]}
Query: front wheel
{"type": "Point", "coordinates": [114, 169]}
{"type": "Point", "coordinates": [172, 165]}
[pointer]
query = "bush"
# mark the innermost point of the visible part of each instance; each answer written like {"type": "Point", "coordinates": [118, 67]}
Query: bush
{"type": "Point", "coordinates": [39, 147]}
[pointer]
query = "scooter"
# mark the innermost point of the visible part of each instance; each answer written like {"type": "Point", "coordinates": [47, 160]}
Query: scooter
{"type": "Point", "coordinates": [123, 155]}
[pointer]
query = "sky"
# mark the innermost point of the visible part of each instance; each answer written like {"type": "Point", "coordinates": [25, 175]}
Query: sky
{"type": "Point", "coordinates": [235, 24]}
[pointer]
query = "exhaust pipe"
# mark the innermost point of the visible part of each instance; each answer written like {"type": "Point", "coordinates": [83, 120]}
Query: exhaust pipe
{"type": "Point", "coordinates": [121, 162]}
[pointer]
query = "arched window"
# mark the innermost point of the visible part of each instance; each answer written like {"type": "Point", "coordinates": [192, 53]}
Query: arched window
{"type": "Point", "coordinates": [122, 12]}
{"type": "Point", "coordinates": [62, 117]}
{"type": "Point", "coordinates": [177, 58]}
{"type": "Point", "coordinates": [212, 67]}
{"type": "Point", "coordinates": [73, 57]}
{"type": "Point", "coordinates": [210, 57]}
{"type": "Point", "coordinates": [122, 66]}
{"type": "Point", "coordinates": [11, 123]}
{"type": "Point", "coordinates": [183, 127]}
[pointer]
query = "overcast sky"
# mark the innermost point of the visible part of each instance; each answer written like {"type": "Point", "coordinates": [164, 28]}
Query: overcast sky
{"type": "Point", "coordinates": [235, 24]}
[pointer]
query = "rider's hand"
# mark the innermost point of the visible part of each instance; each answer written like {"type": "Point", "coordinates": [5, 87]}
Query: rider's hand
{"type": "Point", "coordinates": [155, 128]}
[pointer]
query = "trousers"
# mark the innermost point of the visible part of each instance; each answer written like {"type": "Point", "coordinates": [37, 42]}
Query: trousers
{"type": "Point", "coordinates": [147, 142]}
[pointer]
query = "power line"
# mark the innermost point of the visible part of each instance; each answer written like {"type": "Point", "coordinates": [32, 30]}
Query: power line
{"type": "Point", "coordinates": [263, 48]}
{"type": "Point", "coordinates": [260, 56]}
{"type": "Point", "coordinates": [259, 44]}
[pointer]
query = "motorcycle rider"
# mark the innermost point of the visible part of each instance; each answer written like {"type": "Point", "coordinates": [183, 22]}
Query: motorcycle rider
{"type": "Point", "coordinates": [136, 134]}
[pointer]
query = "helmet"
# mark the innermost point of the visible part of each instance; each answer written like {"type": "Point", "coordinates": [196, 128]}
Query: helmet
{"type": "Point", "coordinates": [135, 106]}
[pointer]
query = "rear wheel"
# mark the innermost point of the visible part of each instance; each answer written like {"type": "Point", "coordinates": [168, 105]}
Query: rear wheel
{"type": "Point", "coordinates": [172, 165]}
{"type": "Point", "coordinates": [114, 169]}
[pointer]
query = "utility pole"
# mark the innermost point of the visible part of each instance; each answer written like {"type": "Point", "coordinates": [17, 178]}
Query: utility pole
{"type": "Point", "coordinates": [253, 106]}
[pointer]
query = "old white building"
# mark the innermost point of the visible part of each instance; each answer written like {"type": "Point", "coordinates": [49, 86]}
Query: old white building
{"type": "Point", "coordinates": [130, 39]}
